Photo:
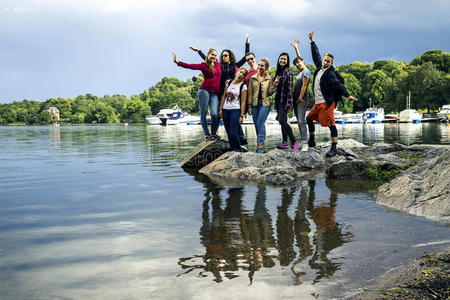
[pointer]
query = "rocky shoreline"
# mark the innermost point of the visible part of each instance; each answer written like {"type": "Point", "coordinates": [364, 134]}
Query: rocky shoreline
{"type": "Point", "coordinates": [416, 177]}
{"type": "Point", "coordinates": [425, 277]}
{"type": "Point", "coordinates": [413, 179]}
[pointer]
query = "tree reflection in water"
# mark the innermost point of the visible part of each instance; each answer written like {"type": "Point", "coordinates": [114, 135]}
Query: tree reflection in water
{"type": "Point", "coordinates": [236, 240]}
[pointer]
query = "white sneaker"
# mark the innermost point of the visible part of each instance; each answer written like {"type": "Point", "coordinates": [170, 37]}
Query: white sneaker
{"type": "Point", "coordinates": [304, 146]}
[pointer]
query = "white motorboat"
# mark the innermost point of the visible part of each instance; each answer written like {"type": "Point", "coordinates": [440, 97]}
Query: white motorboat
{"type": "Point", "coordinates": [390, 118]}
{"type": "Point", "coordinates": [373, 115]}
{"type": "Point", "coordinates": [162, 116]}
{"type": "Point", "coordinates": [410, 115]}
{"type": "Point", "coordinates": [353, 118]}
{"type": "Point", "coordinates": [153, 120]}
{"type": "Point", "coordinates": [339, 117]}
{"type": "Point", "coordinates": [182, 117]}
{"type": "Point", "coordinates": [292, 120]}
{"type": "Point", "coordinates": [248, 119]}
{"type": "Point", "coordinates": [444, 113]}
{"type": "Point", "coordinates": [272, 118]}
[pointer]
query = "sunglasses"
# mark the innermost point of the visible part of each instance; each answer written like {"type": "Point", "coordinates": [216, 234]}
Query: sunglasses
{"type": "Point", "coordinates": [250, 58]}
{"type": "Point", "coordinates": [224, 55]}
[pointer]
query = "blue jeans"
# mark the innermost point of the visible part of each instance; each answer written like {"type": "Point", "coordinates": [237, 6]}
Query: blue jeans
{"type": "Point", "coordinates": [259, 114]}
{"type": "Point", "coordinates": [206, 98]}
{"type": "Point", "coordinates": [231, 123]}
{"type": "Point", "coordinates": [300, 113]}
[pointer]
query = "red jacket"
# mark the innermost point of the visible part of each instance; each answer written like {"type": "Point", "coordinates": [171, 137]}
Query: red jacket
{"type": "Point", "coordinates": [212, 80]}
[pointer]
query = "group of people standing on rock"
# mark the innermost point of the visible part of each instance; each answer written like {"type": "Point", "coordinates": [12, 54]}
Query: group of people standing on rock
{"type": "Point", "coordinates": [243, 90]}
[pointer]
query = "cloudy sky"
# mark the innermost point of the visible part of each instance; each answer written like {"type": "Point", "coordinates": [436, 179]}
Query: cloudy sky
{"type": "Point", "coordinates": [64, 48]}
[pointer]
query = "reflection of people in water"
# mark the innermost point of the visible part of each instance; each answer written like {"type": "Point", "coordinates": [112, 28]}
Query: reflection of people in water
{"type": "Point", "coordinates": [285, 231]}
{"type": "Point", "coordinates": [234, 239]}
{"type": "Point", "coordinates": [260, 235]}
{"type": "Point", "coordinates": [221, 235]}
{"type": "Point", "coordinates": [211, 232]}
{"type": "Point", "coordinates": [237, 240]}
{"type": "Point", "coordinates": [328, 236]}
{"type": "Point", "coordinates": [302, 228]}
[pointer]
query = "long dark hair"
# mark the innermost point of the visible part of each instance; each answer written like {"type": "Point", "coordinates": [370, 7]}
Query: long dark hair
{"type": "Point", "coordinates": [280, 69]}
{"type": "Point", "coordinates": [230, 55]}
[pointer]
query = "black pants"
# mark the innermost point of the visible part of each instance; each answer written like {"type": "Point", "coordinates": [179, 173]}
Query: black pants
{"type": "Point", "coordinates": [286, 129]}
{"type": "Point", "coordinates": [311, 128]}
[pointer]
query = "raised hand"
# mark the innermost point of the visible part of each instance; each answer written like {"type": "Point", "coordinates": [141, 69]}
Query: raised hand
{"type": "Point", "coordinates": [277, 80]}
{"type": "Point", "coordinates": [174, 56]}
{"type": "Point", "coordinates": [295, 43]}
{"type": "Point", "coordinates": [194, 48]}
{"type": "Point", "coordinates": [247, 38]}
{"type": "Point", "coordinates": [311, 35]}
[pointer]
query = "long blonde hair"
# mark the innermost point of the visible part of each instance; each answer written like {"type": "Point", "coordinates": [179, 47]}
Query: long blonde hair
{"type": "Point", "coordinates": [210, 64]}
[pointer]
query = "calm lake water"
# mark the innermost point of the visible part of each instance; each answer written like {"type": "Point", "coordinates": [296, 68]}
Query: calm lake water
{"type": "Point", "coordinates": [106, 212]}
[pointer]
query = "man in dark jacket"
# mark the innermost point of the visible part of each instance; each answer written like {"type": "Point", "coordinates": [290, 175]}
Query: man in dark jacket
{"type": "Point", "coordinates": [327, 91]}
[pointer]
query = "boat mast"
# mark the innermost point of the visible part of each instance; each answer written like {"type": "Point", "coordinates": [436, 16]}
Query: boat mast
{"type": "Point", "coordinates": [408, 100]}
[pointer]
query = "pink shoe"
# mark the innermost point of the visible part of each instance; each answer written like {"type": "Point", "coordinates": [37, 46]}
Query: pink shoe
{"type": "Point", "coordinates": [294, 146]}
{"type": "Point", "coordinates": [283, 145]}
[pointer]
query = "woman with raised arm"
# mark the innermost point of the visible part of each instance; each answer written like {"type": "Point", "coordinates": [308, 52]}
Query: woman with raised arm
{"type": "Point", "coordinates": [228, 63]}
{"type": "Point", "coordinates": [232, 109]}
{"type": "Point", "coordinates": [208, 93]}
{"type": "Point", "coordinates": [260, 88]}
{"type": "Point", "coordinates": [283, 100]}
{"type": "Point", "coordinates": [301, 95]}
{"type": "Point", "coordinates": [229, 66]}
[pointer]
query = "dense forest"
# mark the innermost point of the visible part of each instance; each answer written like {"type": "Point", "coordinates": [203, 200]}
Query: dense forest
{"type": "Point", "coordinates": [385, 83]}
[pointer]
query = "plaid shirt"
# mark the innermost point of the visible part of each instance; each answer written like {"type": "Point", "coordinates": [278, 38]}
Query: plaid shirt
{"type": "Point", "coordinates": [286, 81]}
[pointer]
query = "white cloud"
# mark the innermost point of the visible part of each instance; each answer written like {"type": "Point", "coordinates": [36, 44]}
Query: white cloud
{"type": "Point", "coordinates": [17, 9]}
{"type": "Point", "coordinates": [64, 48]}
{"type": "Point", "coordinates": [115, 7]}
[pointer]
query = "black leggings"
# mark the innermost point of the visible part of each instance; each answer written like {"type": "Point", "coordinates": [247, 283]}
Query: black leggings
{"type": "Point", "coordinates": [286, 129]}
{"type": "Point", "coordinates": [311, 128]}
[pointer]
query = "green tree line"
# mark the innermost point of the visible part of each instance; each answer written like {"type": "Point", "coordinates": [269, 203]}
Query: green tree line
{"type": "Point", "coordinates": [385, 83]}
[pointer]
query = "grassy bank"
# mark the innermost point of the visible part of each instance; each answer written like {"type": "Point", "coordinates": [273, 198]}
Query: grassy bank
{"type": "Point", "coordinates": [426, 277]}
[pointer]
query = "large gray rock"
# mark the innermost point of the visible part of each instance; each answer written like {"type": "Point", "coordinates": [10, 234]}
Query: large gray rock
{"type": "Point", "coordinates": [253, 167]}
{"type": "Point", "coordinates": [424, 189]}
{"type": "Point", "coordinates": [348, 169]}
{"type": "Point", "coordinates": [277, 167]}
{"type": "Point", "coordinates": [205, 153]}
